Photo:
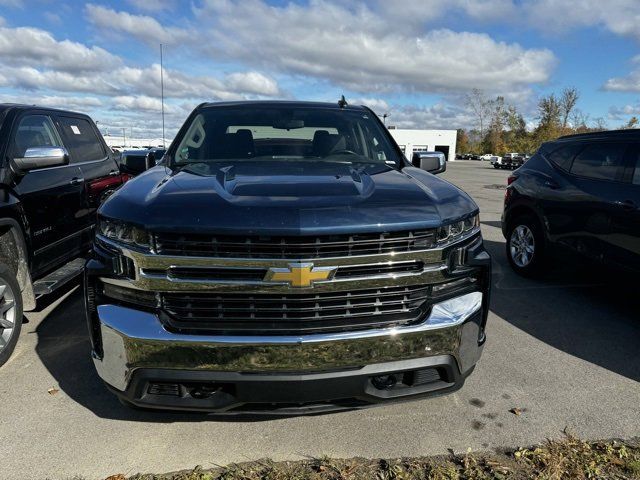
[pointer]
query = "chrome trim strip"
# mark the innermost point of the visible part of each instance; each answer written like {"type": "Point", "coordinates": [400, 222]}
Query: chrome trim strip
{"type": "Point", "coordinates": [434, 270]}
{"type": "Point", "coordinates": [434, 274]}
{"type": "Point", "coordinates": [63, 239]}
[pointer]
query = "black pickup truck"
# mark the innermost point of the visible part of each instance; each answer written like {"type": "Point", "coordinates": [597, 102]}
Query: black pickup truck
{"type": "Point", "coordinates": [286, 256]}
{"type": "Point", "coordinates": [55, 170]}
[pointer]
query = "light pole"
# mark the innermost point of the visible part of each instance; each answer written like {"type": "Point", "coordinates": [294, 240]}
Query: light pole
{"type": "Point", "coordinates": [162, 93]}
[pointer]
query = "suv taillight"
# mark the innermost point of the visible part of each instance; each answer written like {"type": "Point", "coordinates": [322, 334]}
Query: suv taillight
{"type": "Point", "coordinates": [511, 179]}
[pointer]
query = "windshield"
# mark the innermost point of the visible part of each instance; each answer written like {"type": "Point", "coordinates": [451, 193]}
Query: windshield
{"type": "Point", "coordinates": [284, 133]}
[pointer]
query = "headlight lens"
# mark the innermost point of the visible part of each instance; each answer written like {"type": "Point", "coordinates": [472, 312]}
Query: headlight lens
{"type": "Point", "coordinates": [454, 231]}
{"type": "Point", "coordinates": [123, 233]}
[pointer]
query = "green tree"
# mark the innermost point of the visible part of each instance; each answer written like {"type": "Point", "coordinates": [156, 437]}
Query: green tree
{"type": "Point", "coordinates": [463, 143]}
{"type": "Point", "coordinates": [550, 119]}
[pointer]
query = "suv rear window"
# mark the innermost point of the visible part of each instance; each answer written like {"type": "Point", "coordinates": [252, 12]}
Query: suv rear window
{"type": "Point", "coordinates": [81, 139]}
{"type": "Point", "coordinates": [564, 155]}
{"type": "Point", "coordinates": [603, 161]}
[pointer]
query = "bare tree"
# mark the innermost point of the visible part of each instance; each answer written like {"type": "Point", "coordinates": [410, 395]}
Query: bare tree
{"type": "Point", "coordinates": [567, 102]}
{"type": "Point", "coordinates": [579, 119]}
{"type": "Point", "coordinates": [480, 106]}
{"type": "Point", "coordinates": [600, 123]}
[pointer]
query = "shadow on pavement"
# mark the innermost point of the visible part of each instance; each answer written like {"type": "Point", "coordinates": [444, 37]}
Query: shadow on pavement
{"type": "Point", "coordinates": [583, 310]}
{"type": "Point", "coordinates": [492, 223]}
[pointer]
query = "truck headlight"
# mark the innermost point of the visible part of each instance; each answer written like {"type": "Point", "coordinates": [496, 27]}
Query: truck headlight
{"type": "Point", "coordinates": [454, 231]}
{"type": "Point", "coordinates": [123, 233]}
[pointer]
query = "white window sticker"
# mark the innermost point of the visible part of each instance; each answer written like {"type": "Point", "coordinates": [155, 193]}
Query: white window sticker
{"type": "Point", "coordinates": [75, 129]}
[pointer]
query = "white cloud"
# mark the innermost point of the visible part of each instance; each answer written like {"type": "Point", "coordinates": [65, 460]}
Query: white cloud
{"type": "Point", "coordinates": [628, 83]}
{"type": "Point", "coordinates": [378, 105]}
{"type": "Point", "coordinates": [621, 17]}
{"type": "Point", "coordinates": [623, 113]}
{"type": "Point", "coordinates": [428, 11]}
{"type": "Point", "coordinates": [32, 59]}
{"type": "Point", "coordinates": [153, 5]}
{"type": "Point", "coordinates": [55, 101]}
{"type": "Point", "coordinates": [252, 82]}
{"type": "Point", "coordinates": [356, 48]}
{"type": "Point", "coordinates": [143, 27]}
{"type": "Point", "coordinates": [25, 46]}
{"type": "Point", "coordinates": [53, 18]}
{"type": "Point", "coordinates": [440, 115]}
{"type": "Point", "coordinates": [28, 78]}
{"type": "Point", "coordinates": [233, 86]}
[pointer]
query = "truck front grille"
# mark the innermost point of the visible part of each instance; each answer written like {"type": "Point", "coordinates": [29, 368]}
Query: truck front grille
{"type": "Point", "coordinates": [293, 247]}
{"type": "Point", "coordinates": [227, 313]}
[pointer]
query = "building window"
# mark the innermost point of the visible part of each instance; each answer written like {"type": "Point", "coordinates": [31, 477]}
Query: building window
{"type": "Point", "coordinates": [420, 148]}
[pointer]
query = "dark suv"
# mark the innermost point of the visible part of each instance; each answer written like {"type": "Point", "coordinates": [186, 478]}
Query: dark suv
{"type": "Point", "coordinates": [578, 194]}
{"type": "Point", "coordinates": [55, 170]}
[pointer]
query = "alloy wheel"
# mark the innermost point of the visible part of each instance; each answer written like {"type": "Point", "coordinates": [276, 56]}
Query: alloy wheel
{"type": "Point", "coordinates": [522, 246]}
{"type": "Point", "coordinates": [7, 314]}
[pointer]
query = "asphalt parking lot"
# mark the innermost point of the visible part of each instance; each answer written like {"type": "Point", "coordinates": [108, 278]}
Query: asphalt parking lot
{"type": "Point", "coordinates": [563, 350]}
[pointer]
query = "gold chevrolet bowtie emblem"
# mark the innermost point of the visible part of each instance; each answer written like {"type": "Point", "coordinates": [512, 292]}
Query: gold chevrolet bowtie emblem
{"type": "Point", "coordinates": [299, 274]}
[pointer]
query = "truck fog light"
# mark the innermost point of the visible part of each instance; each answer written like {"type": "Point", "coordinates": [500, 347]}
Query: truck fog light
{"type": "Point", "coordinates": [384, 382]}
{"type": "Point", "coordinates": [455, 310]}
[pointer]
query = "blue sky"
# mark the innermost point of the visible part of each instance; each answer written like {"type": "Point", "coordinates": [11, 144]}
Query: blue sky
{"type": "Point", "coordinates": [415, 61]}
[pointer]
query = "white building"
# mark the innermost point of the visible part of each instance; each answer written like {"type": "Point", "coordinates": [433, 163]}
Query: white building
{"type": "Point", "coordinates": [125, 143]}
{"type": "Point", "coordinates": [411, 141]}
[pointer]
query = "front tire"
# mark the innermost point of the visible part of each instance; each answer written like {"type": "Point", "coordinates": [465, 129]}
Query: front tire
{"type": "Point", "coordinates": [10, 313]}
{"type": "Point", "coordinates": [525, 247]}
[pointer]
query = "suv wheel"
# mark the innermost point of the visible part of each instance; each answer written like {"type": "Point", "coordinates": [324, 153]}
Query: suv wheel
{"type": "Point", "coordinates": [10, 313]}
{"type": "Point", "coordinates": [525, 246]}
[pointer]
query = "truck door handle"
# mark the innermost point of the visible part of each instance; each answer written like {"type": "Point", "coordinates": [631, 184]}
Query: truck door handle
{"type": "Point", "coordinates": [76, 181]}
{"type": "Point", "coordinates": [113, 173]}
{"type": "Point", "coordinates": [627, 204]}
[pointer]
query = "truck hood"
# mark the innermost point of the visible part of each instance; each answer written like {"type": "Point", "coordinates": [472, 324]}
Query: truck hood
{"type": "Point", "coordinates": [287, 198]}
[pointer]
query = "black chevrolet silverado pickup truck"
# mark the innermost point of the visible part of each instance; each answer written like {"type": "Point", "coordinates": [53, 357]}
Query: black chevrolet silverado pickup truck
{"type": "Point", "coordinates": [285, 256]}
{"type": "Point", "coordinates": [55, 170]}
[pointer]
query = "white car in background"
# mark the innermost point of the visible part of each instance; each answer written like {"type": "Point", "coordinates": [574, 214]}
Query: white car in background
{"type": "Point", "coordinates": [487, 156]}
{"type": "Point", "coordinates": [495, 160]}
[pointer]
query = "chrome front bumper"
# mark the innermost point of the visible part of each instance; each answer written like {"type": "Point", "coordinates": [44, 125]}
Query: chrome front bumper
{"type": "Point", "coordinates": [134, 340]}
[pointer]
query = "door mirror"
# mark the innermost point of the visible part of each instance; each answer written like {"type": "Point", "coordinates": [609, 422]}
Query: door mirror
{"type": "Point", "coordinates": [151, 160]}
{"type": "Point", "coordinates": [41, 157]}
{"type": "Point", "coordinates": [135, 164]}
{"type": "Point", "coordinates": [432, 162]}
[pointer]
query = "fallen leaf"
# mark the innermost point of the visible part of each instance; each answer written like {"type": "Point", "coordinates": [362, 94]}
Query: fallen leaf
{"type": "Point", "coordinates": [117, 476]}
{"type": "Point", "coordinates": [52, 391]}
{"type": "Point", "coordinates": [516, 411]}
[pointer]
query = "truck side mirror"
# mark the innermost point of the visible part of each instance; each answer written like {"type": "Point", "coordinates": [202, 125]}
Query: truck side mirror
{"type": "Point", "coordinates": [431, 162]}
{"type": "Point", "coordinates": [150, 160]}
{"type": "Point", "coordinates": [41, 157]}
{"type": "Point", "coordinates": [133, 164]}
